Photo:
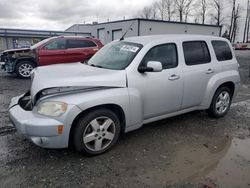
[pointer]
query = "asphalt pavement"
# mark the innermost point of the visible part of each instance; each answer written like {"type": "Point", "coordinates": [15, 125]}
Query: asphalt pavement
{"type": "Point", "coordinates": [191, 150]}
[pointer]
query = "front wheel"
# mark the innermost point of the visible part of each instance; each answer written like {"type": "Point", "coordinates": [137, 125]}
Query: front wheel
{"type": "Point", "coordinates": [24, 68]}
{"type": "Point", "coordinates": [96, 132]}
{"type": "Point", "coordinates": [221, 103]}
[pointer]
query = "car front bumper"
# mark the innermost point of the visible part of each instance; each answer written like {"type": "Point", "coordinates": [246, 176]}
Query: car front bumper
{"type": "Point", "coordinates": [41, 130]}
{"type": "Point", "coordinates": [2, 65]}
{"type": "Point", "coordinates": [7, 66]}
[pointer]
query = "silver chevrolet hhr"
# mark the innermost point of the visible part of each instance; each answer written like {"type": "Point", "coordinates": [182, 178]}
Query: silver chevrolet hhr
{"type": "Point", "coordinates": [128, 83]}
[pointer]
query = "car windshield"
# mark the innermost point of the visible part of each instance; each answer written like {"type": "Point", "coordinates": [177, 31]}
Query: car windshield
{"type": "Point", "coordinates": [116, 55]}
{"type": "Point", "coordinates": [40, 43]}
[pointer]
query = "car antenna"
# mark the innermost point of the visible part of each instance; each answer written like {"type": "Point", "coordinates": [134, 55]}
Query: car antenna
{"type": "Point", "coordinates": [122, 38]}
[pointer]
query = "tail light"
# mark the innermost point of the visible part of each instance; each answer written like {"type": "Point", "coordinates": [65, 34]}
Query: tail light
{"type": "Point", "coordinates": [95, 49]}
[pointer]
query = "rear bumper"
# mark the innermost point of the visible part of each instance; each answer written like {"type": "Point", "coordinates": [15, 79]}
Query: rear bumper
{"type": "Point", "coordinates": [41, 130]}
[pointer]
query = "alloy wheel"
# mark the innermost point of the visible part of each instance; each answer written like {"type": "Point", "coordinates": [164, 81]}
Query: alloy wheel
{"type": "Point", "coordinates": [99, 134]}
{"type": "Point", "coordinates": [25, 70]}
{"type": "Point", "coordinates": [222, 102]}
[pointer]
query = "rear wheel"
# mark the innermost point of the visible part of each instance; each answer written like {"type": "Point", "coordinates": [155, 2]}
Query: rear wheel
{"type": "Point", "coordinates": [221, 102]}
{"type": "Point", "coordinates": [24, 68]}
{"type": "Point", "coordinates": [96, 132]}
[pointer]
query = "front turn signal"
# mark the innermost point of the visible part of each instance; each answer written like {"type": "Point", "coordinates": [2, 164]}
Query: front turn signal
{"type": "Point", "coordinates": [60, 129]}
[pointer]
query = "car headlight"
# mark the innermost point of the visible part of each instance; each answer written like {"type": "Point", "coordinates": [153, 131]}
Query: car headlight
{"type": "Point", "coordinates": [50, 108]}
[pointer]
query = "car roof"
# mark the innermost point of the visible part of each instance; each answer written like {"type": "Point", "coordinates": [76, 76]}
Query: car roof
{"type": "Point", "coordinates": [144, 40]}
{"type": "Point", "coordinates": [76, 37]}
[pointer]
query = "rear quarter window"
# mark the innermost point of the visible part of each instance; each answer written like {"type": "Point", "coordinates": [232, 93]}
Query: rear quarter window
{"type": "Point", "coordinates": [222, 50]}
{"type": "Point", "coordinates": [72, 43]}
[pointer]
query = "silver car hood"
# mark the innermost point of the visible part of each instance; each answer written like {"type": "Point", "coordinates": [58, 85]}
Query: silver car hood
{"type": "Point", "coordinates": [75, 75]}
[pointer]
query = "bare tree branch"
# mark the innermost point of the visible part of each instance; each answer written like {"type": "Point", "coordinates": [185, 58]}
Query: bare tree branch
{"type": "Point", "coordinates": [218, 6]}
{"type": "Point", "coordinates": [232, 21]}
{"type": "Point", "coordinates": [162, 8]}
{"type": "Point", "coordinates": [235, 28]}
{"type": "Point", "coordinates": [170, 9]}
{"type": "Point", "coordinates": [146, 13]}
{"type": "Point", "coordinates": [203, 10]}
{"type": "Point", "coordinates": [187, 9]}
{"type": "Point", "coordinates": [154, 10]}
{"type": "Point", "coordinates": [183, 8]}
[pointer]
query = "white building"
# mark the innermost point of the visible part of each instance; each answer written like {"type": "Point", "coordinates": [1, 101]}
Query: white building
{"type": "Point", "coordinates": [21, 38]}
{"type": "Point", "coordinates": [109, 31]}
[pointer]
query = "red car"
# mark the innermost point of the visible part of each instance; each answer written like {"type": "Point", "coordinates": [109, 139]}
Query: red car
{"type": "Point", "coordinates": [50, 51]}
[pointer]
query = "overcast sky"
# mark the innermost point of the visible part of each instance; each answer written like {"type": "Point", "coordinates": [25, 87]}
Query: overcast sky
{"type": "Point", "coordinates": [60, 14]}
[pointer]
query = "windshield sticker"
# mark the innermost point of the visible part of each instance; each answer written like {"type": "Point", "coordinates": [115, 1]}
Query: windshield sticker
{"type": "Point", "coordinates": [129, 48]}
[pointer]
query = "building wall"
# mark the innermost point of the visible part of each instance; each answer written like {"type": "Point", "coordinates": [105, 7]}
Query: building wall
{"type": "Point", "coordinates": [17, 38]}
{"type": "Point", "coordinates": [17, 42]}
{"type": "Point", "coordinates": [154, 28]}
{"type": "Point", "coordinates": [2, 46]}
{"type": "Point", "coordinates": [80, 27]}
{"type": "Point", "coordinates": [9, 42]}
{"type": "Point", "coordinates": [5, 43]}
{"type": "Point", "coordinates": [109, 28]}
{"type": "Point", "coordinates": [143, 27]}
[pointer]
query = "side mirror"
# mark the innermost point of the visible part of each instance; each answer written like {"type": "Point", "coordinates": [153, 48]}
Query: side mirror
{"type": "Point", "coordinates": [152, 66]}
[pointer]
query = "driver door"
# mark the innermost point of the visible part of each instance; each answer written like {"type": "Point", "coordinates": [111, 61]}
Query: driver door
{"type": "Point", "coordinates": [161, 91]}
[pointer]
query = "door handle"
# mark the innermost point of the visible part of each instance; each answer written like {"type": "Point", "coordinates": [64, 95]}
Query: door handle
{"type": "Point", "coordinates": [210, 71]}
{"type": "Point", "coordinates": [174, 77]}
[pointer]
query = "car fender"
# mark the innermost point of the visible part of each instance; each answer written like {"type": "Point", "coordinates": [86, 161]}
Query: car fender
{"type": "Point", "coordinates": [129, 100]}
{"type": "Point", "coordinates": [216, 81]}
{"type": "Point", "coordinates": [24, 58]}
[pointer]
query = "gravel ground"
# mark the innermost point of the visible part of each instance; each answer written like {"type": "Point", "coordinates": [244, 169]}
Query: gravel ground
{"type": "Point", "coordinates": [190, 150]}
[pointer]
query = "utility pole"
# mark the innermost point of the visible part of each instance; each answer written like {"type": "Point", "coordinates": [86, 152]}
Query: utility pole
{"type": "Point", "coordinates": [235, 25]}
{"type": "Point", "coordinates": [232, 22]}
{"type": "Point", "coordinates": [246, 23]}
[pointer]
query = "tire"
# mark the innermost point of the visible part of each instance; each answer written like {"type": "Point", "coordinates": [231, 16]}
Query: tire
{"type": "Point", "coordinates": [24, 68]}
{"type": "Point", "coordinates": [96, 132]}
{"type": "Point", "coordinates": [221, 103]}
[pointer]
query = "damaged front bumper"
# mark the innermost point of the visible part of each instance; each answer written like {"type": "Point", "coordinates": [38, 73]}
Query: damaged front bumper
{"type": "Point", "coordinates": [41, 130]}
{"type": "Point", "coordinates": [7, 66]}
{"type": "Point", "coordinates": [2, 65]}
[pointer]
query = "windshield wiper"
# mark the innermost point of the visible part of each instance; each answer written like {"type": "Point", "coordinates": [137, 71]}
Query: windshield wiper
{"type": "Point", "coordinates": [96, 66]}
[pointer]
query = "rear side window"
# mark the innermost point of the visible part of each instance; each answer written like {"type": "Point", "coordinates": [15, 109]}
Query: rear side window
{"type": "Point", "coordinates": [222, 50]}
{"type": "Point", "coordinates": [80, 43]}
{"type": "Point", "coordinates": [196, 52]}
{"type": "Point", "coordinates": [166, 54]}
{"type": "Point", "coordinates": [58, 44]}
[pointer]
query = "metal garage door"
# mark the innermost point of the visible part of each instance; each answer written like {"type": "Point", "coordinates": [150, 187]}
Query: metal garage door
{"type": "Point", "coordinates": [1, 44]}
{"type": "Point", "coordinates": [116, 34]}
{"type": "Point", "coordinates": [101, 35]}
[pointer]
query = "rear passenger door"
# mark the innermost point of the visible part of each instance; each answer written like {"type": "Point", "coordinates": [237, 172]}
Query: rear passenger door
{"type": "Point", "coordinates": [198, 70]}
{"type": "Point", "coordinates": [79, 50]}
